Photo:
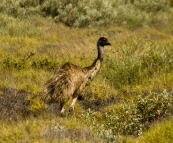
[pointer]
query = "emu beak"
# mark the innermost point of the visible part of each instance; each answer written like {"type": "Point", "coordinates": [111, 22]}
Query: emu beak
{"type": "Point", "coordinates": [108, 43]}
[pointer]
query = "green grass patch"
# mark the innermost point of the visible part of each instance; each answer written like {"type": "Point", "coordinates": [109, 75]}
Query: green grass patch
{"type": "Point", "coordinates": [160, 132]}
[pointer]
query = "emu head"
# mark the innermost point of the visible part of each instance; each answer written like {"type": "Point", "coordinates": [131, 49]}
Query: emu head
{"type": "Point", "coordinates": [100, 45]}
{"type": "Point", "coordinates": [103, 42]}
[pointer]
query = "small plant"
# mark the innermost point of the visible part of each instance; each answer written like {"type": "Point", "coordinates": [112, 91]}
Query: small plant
{"type": "Point", "coordinates": [44, 64]}
{"type": "Point", "coordinates": [154, 106]}
{"type": "Point", "coordinates": [9, 63]}
{"type": "Point", "coordinates": [90, 118]}
{"type": "Point", "coordinates": [28, 3]}
{"type": "Point", "coordinates": [36, 106]}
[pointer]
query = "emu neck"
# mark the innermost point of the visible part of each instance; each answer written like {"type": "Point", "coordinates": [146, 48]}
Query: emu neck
{"type": "Point", "coordinates": [100, 52]}
{"type": "Point", "coordinates": [93, 70]}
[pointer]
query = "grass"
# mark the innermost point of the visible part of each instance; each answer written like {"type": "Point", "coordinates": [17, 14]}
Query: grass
{"type": "Point", "coordinates": [138, 62]}
{"type": "Point", "coordinates": [160, 132]}
{"type": "Point", "coordinates": [40, 130]}
{"type": "Point", "coordinates": [155, 135]}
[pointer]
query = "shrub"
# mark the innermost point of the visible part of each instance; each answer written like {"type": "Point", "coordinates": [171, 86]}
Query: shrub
{"type": "Point", "coordinates": [20, 8]}
{"type": "Point", "coordinates": [9, 7]}
{"type": "Point", "coordinates": [151, 6]}
{"type": "Point", "coordinates": [44, 64]}
{"type": "Point", "coordinates": [80, 13]}
{"type": "Point", "coordinates": [28, 3]}
{"type": "Point", "coordinates": [36, 106]}
{"type": "Point", "coordinates": [88, 13]}
{"type": "Point", "coordinates": [10, 63]}
{"type": "Point", "coordinates": [136, 66]}
{"type": "Point", "coordinates": [131, 118]}
{"type": "Point", "coordinates": [90, 118]}
{"type": "Point", "coordinates": [129, 16]}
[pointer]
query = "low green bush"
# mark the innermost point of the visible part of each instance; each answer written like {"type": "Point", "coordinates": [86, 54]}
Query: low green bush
{"type": "Point", "coordinates": [80, 13]}
{"type": "Point", "coordinates": [44, 64]}
{"type": "Point", "coordinates": [29, 3]}
{"type": "Point", "coordinates": [136, 66]}
{"type": "Point", "coordinates": [19, 64]}
{"type": "Point", "coordinates": [135, 118]}
{"type": "Point", "coordinates": [130, 118]}
{"type": "Point", "coordinates": [10, 63]}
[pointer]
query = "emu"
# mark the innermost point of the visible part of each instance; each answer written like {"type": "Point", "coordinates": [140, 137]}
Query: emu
{"type": "Point", "coordinates": [70, 80]}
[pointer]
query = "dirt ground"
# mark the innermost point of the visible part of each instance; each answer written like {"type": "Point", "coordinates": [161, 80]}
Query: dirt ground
{"type": "Point", "coordinates": [14, 104]}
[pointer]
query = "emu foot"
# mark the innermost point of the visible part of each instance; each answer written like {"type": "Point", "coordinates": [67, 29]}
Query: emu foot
{"type": "Point", "coordinates": [71, 111]}
{"type": "Point", "coordinates": [63, 114]}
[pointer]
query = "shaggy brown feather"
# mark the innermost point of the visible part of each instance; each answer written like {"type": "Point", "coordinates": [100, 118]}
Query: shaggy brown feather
{"type": "Point", "coordinates": [65, 83]}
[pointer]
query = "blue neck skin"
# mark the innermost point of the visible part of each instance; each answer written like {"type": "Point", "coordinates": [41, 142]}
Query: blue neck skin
{"type": "Point", "coordinates": [100, 51]}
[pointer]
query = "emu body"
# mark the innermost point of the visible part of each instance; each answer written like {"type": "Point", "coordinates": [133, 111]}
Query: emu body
{"type": "Point", "coordinates": [70, 80]}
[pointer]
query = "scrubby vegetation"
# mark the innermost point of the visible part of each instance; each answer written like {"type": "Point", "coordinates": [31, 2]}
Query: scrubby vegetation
{"type": "Point", "coordinates": [130, 119]}
{"type": "Point", "coordinates": [130, 100]}
{"type": "Point", "coordinates": [98, 13]}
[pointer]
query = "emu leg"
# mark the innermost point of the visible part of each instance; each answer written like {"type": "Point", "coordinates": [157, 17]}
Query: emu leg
{"type": "Point", "coordinates": [73, 103]}
{"type": "Point", "coordinates": [62, 107]}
